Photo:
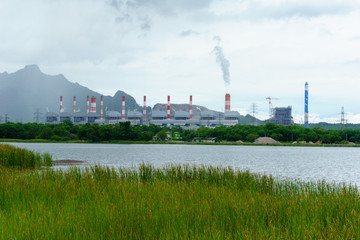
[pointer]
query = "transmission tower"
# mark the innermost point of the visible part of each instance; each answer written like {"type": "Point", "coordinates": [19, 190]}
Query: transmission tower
{"type": "Point", "coordinates": [6, 118]}
{"type": "Point", "coordinates": [37, 115]}
{"type": "Point", "coordinates": [342, 120]}
{"type": "Point", "coordinates": [254, 107]}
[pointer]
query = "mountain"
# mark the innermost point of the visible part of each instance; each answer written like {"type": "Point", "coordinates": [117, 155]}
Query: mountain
{"type": "Point", "coordinates": [335, 126]}
{"type": "Point", "coordinates": [181, 107]}
{"type": "Point", "coordinates": [29, 90]}
{"type": "Point", "coordinates": [250, 120]}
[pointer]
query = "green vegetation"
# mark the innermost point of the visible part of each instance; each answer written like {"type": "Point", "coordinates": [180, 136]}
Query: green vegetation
{"type": "Point", "coordinates": [171, 203]}
{"type": "Point", "coordinates": [285, 134]}
{"type": "Point", "coordinates": [20, 158]}
{"type": "Point", "coordinates": [67, 132]}
{"type": "Point", "coordinates": [335, 126]}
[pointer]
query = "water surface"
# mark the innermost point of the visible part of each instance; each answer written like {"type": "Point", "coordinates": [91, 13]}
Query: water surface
{"type": "Point", "coordinates": [333, 164]}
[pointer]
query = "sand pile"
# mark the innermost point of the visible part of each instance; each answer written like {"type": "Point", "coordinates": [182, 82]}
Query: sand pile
{"type": "Point", "coordinates": [265, 140]}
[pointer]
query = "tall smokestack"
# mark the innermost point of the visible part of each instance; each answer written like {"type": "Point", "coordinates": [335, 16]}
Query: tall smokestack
{"type": "Point", "coordinates": [61, 107]}
{"type": "Point", "coordinates": [102, 108]}
{"type": "Point", "coordinates": [144, 110]}
{"type": "Point", "coordinates": [87, 105]}
{"type": "Point", "coordinates": [227, 102]}
{"type": "Point", "coordinates": [190, 110]}
{"type": "Point", "coordinates": [93, 105]}
{"type": "Point", "coordinates": [123, 108]}
{"type": "Point", "coordinates": [168, 108]}
{"type": "Point", "coordinates": [74, 107]}
{"type": "Point", "coordinates": [306, 114]}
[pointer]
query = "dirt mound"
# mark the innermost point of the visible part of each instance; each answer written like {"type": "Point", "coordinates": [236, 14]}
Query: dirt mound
{"type": "Point", "coordinates": [265, 140]}
{"type": "Point", "coordinates": [67, 161]}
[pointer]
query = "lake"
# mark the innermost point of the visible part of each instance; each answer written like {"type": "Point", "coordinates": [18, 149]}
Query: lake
{"type": "Point", "coordinates": [332, 164]}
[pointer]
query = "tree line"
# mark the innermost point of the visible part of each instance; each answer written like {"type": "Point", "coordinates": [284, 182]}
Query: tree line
{"type": "Point", "coordinates": [124, 131]}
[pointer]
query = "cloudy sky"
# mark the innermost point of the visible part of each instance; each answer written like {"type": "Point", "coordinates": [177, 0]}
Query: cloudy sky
{"type": "Point", "coordinates": [161, 47]}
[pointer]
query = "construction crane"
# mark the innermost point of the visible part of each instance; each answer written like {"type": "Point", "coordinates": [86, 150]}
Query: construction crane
{"type": "Point", "coordinates": [271, 109]}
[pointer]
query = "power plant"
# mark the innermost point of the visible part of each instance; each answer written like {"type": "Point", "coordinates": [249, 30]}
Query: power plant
{"type": "Point", "coordinates": [160, 118]}
{"type": "Point", "coordinates": [169, 116]}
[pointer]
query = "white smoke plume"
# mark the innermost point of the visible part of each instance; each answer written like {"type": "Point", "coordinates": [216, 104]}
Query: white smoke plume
{"type": "Point", "coordinates": [222, 61]}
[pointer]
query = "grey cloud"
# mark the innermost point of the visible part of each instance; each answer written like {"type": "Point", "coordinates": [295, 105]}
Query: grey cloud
{"type": "Point", "coordinates": [188, 33]}
{"type": "Point", "coordinates": [114, 4]}
{"type": "Point", "coordinates": [199, 11]}
{"type": "Point", "coordinates": [355, 38]}
{"type": "Point", "coordinates": [170, 4]}
{"type": "Point", "coordinates": [145, 23]}
{"type": "Point", "coordinates": [124, 18]}
{"type": "Point", "coordinates": [301, 9]}
{"type": "Point", "coordinates": [256, 11]}
{"type": "Point", "coordinates": [355, 61]}
{"type": "Point", "coordinates": [131, 12]}
{"type": "Point", "coordinates": [325, 32]}
{"type": "Point", "coordinates": [167, 8]}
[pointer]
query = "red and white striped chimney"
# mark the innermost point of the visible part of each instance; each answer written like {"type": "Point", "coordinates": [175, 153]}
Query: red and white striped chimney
{"type": "Point", "coordinates": [168, 108]}
{"type": "Point", "coordinates": [93, 105]}
{"type": "Point", "coordinates": [144, 110]}
{"type": "Point", "coordinates": [190, 110]}
{"type": "Point", "coordinates": [123, 108]}
{"type": "Point", "coordinates": [74, 107]}
{"type": "Point", "coordinates": [227, 102]}
{"type": "Point", "coordinates": [61, 107]}
{"type": "Point", "coordinates": [102, 107]}
{"type": "Point", "coordinates": [87, 105]}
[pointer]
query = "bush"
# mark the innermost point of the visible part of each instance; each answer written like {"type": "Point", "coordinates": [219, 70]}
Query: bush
{"type": "Point", "coordinates": [15, 157]}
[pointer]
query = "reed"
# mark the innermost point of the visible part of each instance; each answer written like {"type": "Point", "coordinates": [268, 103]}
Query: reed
{"type": "Point", "coordinates": [20, 158]}
{"type": "Point", "coordinates": [174, 202]}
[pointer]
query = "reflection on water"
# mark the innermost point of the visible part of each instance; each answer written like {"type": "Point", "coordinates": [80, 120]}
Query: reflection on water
{"type": "Point", "coordinates": [332, 164]}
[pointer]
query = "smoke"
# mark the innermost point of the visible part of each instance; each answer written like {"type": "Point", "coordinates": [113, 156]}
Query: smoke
{"type": "Point", "coordinates": [222, 61]}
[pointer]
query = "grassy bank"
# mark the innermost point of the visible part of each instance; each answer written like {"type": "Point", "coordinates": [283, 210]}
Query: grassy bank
{"type": "Point", "coordinates": [20, 158]}
{"type": "Point", "coordinates": [171, 203]}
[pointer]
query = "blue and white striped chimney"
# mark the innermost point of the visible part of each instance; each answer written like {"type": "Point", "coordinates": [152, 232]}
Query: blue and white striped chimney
{"type": "Point", "coordinates": [306, 115]}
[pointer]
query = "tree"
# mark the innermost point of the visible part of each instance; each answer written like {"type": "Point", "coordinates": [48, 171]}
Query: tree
{"type": "Point", "coordinates": [161, 135]}
{"type": "Point", "coordinates": [251, 137]}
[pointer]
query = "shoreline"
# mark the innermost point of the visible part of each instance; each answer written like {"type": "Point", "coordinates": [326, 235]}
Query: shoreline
{"type": "Point", "coordinates": [180, 143]}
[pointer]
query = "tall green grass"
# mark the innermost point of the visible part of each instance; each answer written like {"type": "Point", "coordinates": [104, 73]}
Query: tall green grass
{"type": "Point", "coordinates": [175, 202]}
{"type": "Point", "coordinates": [20, 158]}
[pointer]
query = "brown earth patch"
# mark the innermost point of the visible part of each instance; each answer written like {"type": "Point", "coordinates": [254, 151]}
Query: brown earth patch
{"type": "Point", "coordinates": [68, 161]}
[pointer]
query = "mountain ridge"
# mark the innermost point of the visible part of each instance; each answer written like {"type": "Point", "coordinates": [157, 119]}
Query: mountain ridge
{"type": "Point", "coordinates": [28, 90]}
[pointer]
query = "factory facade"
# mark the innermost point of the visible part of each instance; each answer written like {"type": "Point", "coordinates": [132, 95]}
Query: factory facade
{"type": "Point", "coordinates": [282, 116]}
{"type": "Point", "coordinates": [184, 119]}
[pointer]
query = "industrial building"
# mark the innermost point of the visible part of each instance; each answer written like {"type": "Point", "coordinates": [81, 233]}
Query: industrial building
{"type": "Point", "coordinates": [282, 116]}
{"type": "Point", "coordinates": [160, 118]}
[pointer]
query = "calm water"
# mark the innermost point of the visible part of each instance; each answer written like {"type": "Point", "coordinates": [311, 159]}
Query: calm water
{"type": "Point", "coordinates": [304, 163]}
